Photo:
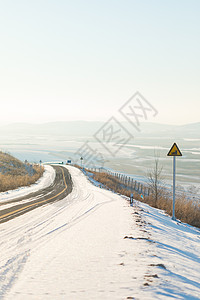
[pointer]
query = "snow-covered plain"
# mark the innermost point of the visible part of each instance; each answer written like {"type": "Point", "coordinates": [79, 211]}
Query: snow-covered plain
{"type": "Point", "coordinates": [93, 245]}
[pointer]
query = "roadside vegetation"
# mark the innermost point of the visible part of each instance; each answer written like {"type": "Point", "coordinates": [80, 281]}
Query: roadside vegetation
{"type": "Point", "coordinates": [14, 173]}
{"type": "Point", "coordinates": [186, 210]}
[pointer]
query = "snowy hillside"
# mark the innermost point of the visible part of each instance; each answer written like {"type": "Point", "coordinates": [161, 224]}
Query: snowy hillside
{"type": "Point", "coordinates": [93, 245]}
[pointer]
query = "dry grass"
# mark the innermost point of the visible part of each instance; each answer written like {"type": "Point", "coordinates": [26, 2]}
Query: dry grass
{"type": "Point", "coordinates": [111, 183]}
{"type": "Point", "coordinates": [14, 173]}
{"type": "Point", "coordinates": [187, 211]}
{"type": "Point", "coordinates": [11, 182]}
{"type": "Point", "coordinates": [11, 165]}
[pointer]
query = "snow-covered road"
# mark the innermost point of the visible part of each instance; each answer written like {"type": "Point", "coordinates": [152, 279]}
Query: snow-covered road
{"type": "Point", "coordinates": [76, 249]}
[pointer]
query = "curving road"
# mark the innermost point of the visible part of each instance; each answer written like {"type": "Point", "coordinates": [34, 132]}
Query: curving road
{"type": "Point", "coordinates": [61, 187]}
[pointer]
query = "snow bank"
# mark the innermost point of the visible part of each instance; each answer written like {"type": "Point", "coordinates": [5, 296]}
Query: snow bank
{"type": "Point", "coordinates": [177, 248]}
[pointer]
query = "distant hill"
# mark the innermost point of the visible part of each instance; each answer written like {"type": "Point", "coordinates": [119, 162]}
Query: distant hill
{"type": "Point", "coordinates": [76, 128]}
{"type": "Point", "coordinates": [10, 165]}
{"type": "Point", "coordinates": [84, 128]}
{"type": "Point", "coordinates": [164, 130]}
{"type": "Point", "coordinates": [15, 174]}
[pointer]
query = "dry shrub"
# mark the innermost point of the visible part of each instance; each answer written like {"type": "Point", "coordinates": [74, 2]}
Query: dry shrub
{"type": "Point", "coordinates": [187, 211]}
{"type": "Point", "coordinates": [110, 182]}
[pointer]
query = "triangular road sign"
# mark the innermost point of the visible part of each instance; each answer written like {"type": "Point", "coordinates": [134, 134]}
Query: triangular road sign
{"type": "Point", "coordinates": [174, 151]}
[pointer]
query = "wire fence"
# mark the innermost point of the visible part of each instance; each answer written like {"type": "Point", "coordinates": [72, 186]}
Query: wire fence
{"type": "Point", "coordinates": [127, 181]}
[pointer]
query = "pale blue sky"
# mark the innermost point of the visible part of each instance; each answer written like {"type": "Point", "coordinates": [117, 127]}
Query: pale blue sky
{"type": "Point", "coordinates": [71, 60]}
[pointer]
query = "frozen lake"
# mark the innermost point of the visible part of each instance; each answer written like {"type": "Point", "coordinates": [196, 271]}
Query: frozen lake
{"type": "Point", "coordinates": [135, 158]}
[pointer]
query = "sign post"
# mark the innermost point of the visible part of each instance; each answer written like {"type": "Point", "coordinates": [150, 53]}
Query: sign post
{"type": "Point", "coordinates": [174, 151]}
{"type": "Point", "coordinates": [40, 165]}
{"type": "Point", "coordinates": [131, 199]}
{"type": "Point", "coordinates": [81, 161]}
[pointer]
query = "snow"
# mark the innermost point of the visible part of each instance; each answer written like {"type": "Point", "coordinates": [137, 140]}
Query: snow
{"type": "Point", "coordinates": [177, 246]}
{"type": "Point", "coordinates": [46, 180]}
{"type": "Point", "coordinates": [93, 245]}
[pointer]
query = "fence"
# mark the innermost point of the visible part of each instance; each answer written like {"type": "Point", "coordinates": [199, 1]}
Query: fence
{"type": "Point", "coordinates": [126, 181]}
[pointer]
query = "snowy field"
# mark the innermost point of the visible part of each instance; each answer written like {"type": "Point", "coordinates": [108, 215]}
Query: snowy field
{"type": "Point", "coordinates": [93, 245]}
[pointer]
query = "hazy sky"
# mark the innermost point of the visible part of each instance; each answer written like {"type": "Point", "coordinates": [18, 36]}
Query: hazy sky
{"type": "Point", "coordinates": [82, 59]}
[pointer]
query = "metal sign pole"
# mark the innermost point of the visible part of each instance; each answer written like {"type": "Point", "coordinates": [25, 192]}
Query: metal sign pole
{"type": "Point", "coordinates": [131, 199]}
{"type": "Point", "coordinates": [174, 187]}
{"type": "Point", "coordinates": [174, 151]}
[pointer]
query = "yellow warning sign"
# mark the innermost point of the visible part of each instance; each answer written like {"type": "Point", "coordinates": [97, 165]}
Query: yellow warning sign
{"type": "Point", "coordinates": [174, 151]}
